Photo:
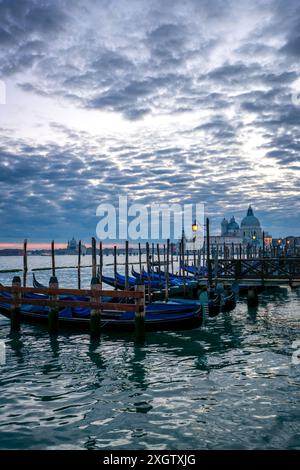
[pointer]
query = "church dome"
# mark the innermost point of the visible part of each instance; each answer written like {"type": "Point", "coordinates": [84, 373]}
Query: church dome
{"type": "Point", "coordinates": [250, 220]}
{"type": "Point", "coordinates": [233, 225]}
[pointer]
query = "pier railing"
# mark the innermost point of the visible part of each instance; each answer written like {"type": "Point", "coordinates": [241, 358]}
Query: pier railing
{"type": "Point", "coordinates": [16, 299]}
{"type": "Point", "coordinates": [259, 267]}
{"type": "Point", "coordinates": [261, 271]}
{"type": "Point", "coordinates": [94, 301]}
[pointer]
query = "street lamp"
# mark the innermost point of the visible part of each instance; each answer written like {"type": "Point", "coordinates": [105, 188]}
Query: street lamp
{"type": "Point", "coordinates": [254, 236]}
{"type": "Point", "coordinates": [195, 226]}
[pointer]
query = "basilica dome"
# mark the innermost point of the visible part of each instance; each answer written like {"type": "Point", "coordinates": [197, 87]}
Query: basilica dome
{"type": "Point", "coordinates": [233, 225]}
{"type": "Point", "coordinates": [250, 220]}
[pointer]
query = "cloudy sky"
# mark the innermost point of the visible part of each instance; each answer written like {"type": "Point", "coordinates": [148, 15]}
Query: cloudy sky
{"type": "Point", "coordinates": [162, 100]}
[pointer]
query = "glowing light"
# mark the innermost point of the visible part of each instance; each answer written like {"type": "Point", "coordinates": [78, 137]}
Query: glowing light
{"type": "Point", "coordinates": [195, 226]}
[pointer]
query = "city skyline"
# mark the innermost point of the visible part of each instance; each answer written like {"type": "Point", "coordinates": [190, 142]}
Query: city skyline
{"type": "Point", "coordinates": [61, 244]}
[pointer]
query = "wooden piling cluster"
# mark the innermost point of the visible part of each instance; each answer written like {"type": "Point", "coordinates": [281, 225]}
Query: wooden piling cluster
{"type": "Point", "coordinates": [55, 302]}
{"type": "Point", "coordinates": [95, 294]}
{"type": "Point", "coordinates": [228, 262]}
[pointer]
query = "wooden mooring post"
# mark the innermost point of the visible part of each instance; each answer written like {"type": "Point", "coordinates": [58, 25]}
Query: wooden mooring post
{"type": "Point", "coordinates": [183, 268]}
{"type": "Point", "coordinates": [148, 272]}
{"type": "Point", "coordinates": [79, 266]}
{"type": "Point", "coordinates": [252, 297]}
{"type": "Point", "coordinates": [53, 311]}
{"type": "Point", "coordinates": [140, 260]}
{"type": "Point", "coordinates": [208, 261]}
{"type": "Point", "coordinates": [167, 272]}
{"type": "Point", "coordinates": [115, 266]}
{"type": "Point", "coordinates": [216, 266]}
{"type": "Point", "coordinates": [25, 265]}
{"type": "Point", "coordinates": [180, 254]}
{"type": "Point", "coordinates": [152, 258]}
{"type": "Point", "coordinates": [140, 327]}
{"type": "Point", "coordinates": [53, 257]}
{"type": "Point", "coordinates": [95, 319]}
{"type": "Point", "coordinates": [126, 265]}
{"type": "Point", "coordinates": [158, 262]}
{"type": "Point", "coordinates": [199, 262]}
{"type": "Point", "coordinates": [94, 258]}
{"type": "Point", "coordinates": [15, 308]}
{"type": "Point", "coordinates": [100, 263]}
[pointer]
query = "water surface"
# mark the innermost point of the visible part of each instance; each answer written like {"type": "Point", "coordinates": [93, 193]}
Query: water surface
{"type": "Point", "coordinates": [232, 384]}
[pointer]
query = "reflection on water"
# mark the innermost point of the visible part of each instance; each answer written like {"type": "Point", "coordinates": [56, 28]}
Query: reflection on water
{"type": "Point", "coordinates": [16, 344]}
{"type": "Point", "coordinates": [252, 314]}
{"type": "Point", "coordinates": [229, 385]}
{"type": "Point", "coordinates": [54, 344]}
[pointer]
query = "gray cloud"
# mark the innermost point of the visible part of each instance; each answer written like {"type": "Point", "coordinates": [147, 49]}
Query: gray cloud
{"type": "Point", "coordinates": [292, 47]}
{"type": "Point", "coordinates": [223, 70]}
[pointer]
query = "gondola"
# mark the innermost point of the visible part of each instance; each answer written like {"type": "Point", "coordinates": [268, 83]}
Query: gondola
{"type": "Point", "coordinates": [195, 270]}
{"type": "Point", "coordinates": [158, 317]}
{"type": "Point", "coordinates": [157, 289]}
{"type": "Point", "coordinates": [36, 283]}
{"type": "Point", "coordinates": [173, 306]}
{"type": "Point", "coordinates": [170, 315]}
{"type": "Point", "coordinates": [177, 303]}
{"type": "Point", "coordinates": [174, 280]}
{"type": "Point", "coordinates": [221, 303]}
{"type": "Point", "coordinates": [120, 282]}
{"type": "Point", "coordinates": [155, 277]}
{"type": "Point", "coordinates": [229, 302]}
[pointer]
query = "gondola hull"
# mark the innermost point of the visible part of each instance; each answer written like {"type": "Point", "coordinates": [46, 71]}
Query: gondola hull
{"type": "Point", "coordinates": [157, 294]}
{"type": "Point", "coordinates": [174, 280]}
{"type": "Point", "coordinates": [126, 322]}
{"type": "Point", "coordinates": [225, 305]}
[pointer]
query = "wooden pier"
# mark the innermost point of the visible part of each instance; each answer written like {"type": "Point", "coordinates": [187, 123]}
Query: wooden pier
{"type": "Point", "coordinates": [266, 271]}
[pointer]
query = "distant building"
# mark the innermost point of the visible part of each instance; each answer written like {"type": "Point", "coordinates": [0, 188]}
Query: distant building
{"type": "Point", "coordinates": [230, 228]}
{"type": "Point", "coordinates": [290, 244]}
{"type": "Point", "coordinates": [73, 245]}
{"type": "Point", "coordinates": [11, 252]}
{"type": "Point", "coordinates": [249, 233]}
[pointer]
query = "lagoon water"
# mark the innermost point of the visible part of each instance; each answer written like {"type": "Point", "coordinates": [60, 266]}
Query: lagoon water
{"type": "Point", "coordinates": [232, 384]}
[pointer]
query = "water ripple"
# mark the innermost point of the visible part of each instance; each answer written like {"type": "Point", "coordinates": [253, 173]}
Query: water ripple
{"type": "Point", "coordinates": [231, 385]}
